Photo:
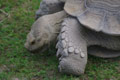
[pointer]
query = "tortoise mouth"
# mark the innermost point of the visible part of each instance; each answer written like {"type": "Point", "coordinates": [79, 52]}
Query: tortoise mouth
{"type": "Point", "coordinates": [107, 5]}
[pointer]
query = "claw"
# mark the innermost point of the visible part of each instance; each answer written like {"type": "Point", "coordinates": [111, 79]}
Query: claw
{"type": "Point", "coordinates": [63, 35]}
{"type": "Point", "coordinates": [58, 37]}
{"type": "Point", "coordinates": [60, 58]}
{"type": "Point", "coordinates": [57, 45]}
{"type": "Point", "coordinates": [63, 29]}
{"type": "Point", "coordinates": [58, 52]}
{"type": "Point", "coordinates": [65, 53]}
{"type": "Point", "coordinates": [63, 43]}
{"type": "Point", "coordinates": [63, 24]}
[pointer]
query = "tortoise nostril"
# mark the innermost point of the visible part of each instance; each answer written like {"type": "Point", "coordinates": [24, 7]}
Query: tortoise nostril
{"type": "Point", "coordinates": [33, 42]}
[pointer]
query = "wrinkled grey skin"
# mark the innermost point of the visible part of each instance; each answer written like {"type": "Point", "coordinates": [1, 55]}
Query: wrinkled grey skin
{"type": "Point", "coordinates": [74, 40]}
{"type": "Point", "coordinates": [49, 7]}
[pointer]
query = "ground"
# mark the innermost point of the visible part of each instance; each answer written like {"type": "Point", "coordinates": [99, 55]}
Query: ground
{"type": "Point", "coordinates": [16, 63]}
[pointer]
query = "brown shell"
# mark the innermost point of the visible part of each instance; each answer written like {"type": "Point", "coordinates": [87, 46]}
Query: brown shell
{"type": "Point", "coordinates": [99, 15]}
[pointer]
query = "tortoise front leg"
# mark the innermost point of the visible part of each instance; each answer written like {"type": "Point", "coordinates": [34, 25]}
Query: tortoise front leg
{"type": "Point", "coordinates": [72, 48]}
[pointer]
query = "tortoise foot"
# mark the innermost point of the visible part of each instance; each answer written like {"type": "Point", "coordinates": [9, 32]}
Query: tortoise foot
{"type": "Point", "coordinates": [72, 50]}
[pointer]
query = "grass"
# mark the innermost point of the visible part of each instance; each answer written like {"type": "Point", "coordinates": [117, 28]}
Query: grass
{"type": "Point", "coordinates": [16, 18]}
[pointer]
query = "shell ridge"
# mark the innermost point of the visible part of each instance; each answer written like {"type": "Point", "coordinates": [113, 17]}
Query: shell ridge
{"type": "Point", "coordinates": [105, 6]}
{"type": "Point", "coordinates": [102, 23]}
{"type": "Point", "coordinates": [83, 13]}
{"type": "Point", "coordinates": [87, 9]}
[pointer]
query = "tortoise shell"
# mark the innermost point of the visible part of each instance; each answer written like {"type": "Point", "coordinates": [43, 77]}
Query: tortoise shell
{"type": "Point", "coordinates": [98, 15]}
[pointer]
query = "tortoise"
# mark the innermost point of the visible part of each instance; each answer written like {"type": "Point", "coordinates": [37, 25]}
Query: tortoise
{"type": "Point", "coordinates": [81, 27]}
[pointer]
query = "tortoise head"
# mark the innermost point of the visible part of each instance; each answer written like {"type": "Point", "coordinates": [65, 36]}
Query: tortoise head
{"type": "Point", "coordinates": [31, 42]}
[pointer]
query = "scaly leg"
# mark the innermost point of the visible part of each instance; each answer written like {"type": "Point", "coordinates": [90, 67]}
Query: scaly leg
{"type": "Point", "coordinates": [72, 48]}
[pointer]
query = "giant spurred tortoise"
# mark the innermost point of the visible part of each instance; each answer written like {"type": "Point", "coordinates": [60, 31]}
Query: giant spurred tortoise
{"type": "Point", "coordinates": [84, 27]}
